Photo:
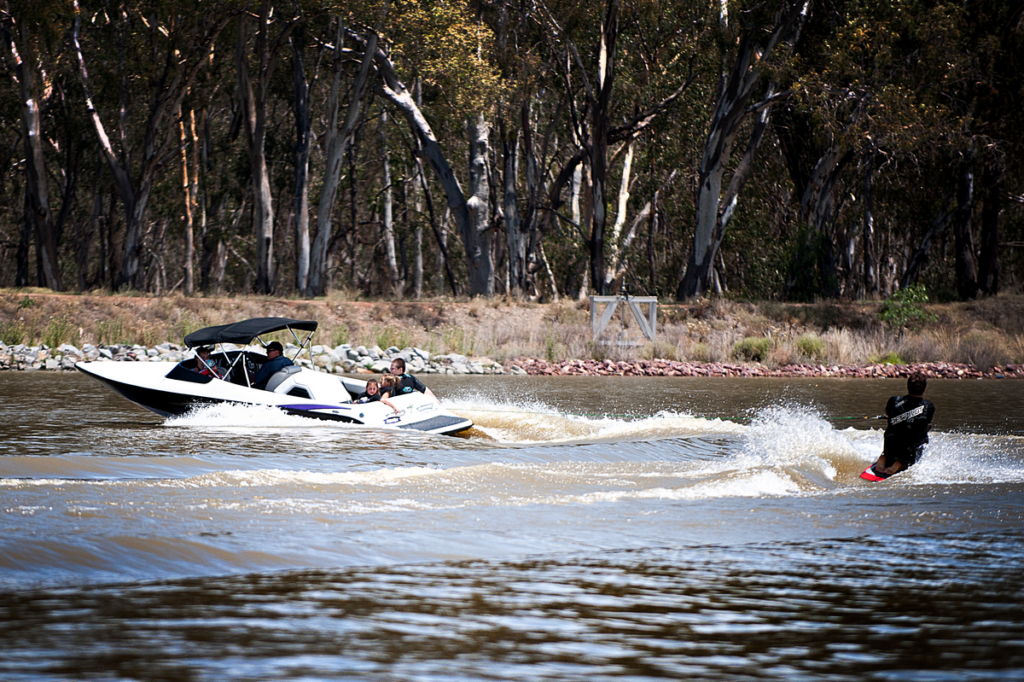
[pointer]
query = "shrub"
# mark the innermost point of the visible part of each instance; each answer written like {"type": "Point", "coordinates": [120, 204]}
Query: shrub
{"type": "Point", "coordinates": [904, 309]}
{"type": "Point", "coordinates": [782, 356]}
{"type": "Point", "coordinates": [57, 332]}
{"type": "Point", "coordinates": [984, 349]}
{"type": "Point", "coordinates": [456, 340]}
{"type": "Point", "coordinates": [12, 333]}
{"type": "Point", "coordinates": [700, 352]}
{"type": "Point", "coordinates": [550, 345]}
{"type": "Point", "coordinates": [752, 348]}
{"type": "Point", "coordinates": [388, 336]}
{"type": "Point", "coordinates": [659, 350]}
{"type": "Point", "coordinates": [887, 358]}
{"type": "Point", "coordinates": [341, 335]}
{"type": "Point", "coordinates": [110, 332]}
{"type": "Point", "coordinates": [811, 346]}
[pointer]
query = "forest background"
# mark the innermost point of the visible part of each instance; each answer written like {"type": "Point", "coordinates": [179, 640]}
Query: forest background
{"type": "Point", "coordinates": [539, 149]}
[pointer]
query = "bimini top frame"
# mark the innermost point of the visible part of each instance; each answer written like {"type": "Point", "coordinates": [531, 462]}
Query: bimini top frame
{"type": "Point", "coordinates": [246, 331]}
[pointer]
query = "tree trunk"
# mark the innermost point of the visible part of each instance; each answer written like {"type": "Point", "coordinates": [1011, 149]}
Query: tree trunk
{"type": "Point", "coordinates": [515, 237]}
{"type": "Point", "coordinates": [620, 220]}
{"type": "Point", "coordinates": [870, 278]}
{"type": "Point", "coordinates": [476, 238]}
{"type": "Point", "coordinates": [337, 143]}
{"type": "Point", "coordinates": [180, 73]}
{"type": "Point", "coordinates": [188, 185]}
{"type": "Point", "coordinates": [963, 240]}
{"type": "Point", "coordinates": [254, 106]}
{"type": "Point", "coordinates": [394, 90]}
{"type": "Point", "coordinates": [303, 125]}
{"type": "Point", "coordinates": [37, 213]}
{"type": "Point", "coordinates": [601, 111]}
{"type": "Point", "coordinates": [731, 107]}
{"type": "Point", "coordinates": [988, 262]}
{"type": "Point", "coordinates": [387, 224]}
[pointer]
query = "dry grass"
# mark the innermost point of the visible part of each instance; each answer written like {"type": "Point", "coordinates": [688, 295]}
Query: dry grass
{"type": "Point", "coordinates": [983, 333]}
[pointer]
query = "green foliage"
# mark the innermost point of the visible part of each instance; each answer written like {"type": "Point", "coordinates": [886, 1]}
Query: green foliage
{"type": "Point", "coordinates": [659, 350]}
{"type": "Point", "coordinates": [811, 346]}
{"type": "Point", "coordinates": [342, 335]}
{"type": "Point", "coordinates": [887, 358]}
{"type": "Point", "coordinates": [752, 349]}
{"type": "Point", "coordinates": [25, 303]}
{"type": "Point", "coordinates": [389, 335]}
{"type": "Point", "coordinates": [110, 332]}
{"type": "Point", "coordinates": [443, 44]}
{"type": "Point", "coordinates": [456, 340]}
{"type": "Point", "coordinates": [805, 280]}
{"type": "Point", "coordinates": [552, 345]}
{"type": "Point", "coordinates": [700, 352]}
{"type": "Point", "coordinates": [57, 332]}
{"type": "Point", "coordinates": [12, 332]}
{"type": "Point", "coordinates": [187, 324]}
{"type": "Point", "coordinates": [905, 309]}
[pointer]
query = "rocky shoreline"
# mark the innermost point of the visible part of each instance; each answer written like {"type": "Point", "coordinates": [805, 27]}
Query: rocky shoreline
{"type": "Point", "coordinates": [658, 368]}
{"type": "Point", "coordinates": [345, 359]}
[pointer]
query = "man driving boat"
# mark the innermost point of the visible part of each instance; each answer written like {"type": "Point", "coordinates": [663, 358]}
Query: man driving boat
{"type": "Point", "coordinates": [276, 361]}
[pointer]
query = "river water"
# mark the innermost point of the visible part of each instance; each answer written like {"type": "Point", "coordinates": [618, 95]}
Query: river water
{"type": "Point", "coordinates": [586, 529]}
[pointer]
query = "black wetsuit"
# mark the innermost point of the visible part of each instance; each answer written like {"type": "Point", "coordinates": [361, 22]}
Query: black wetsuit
{"type": "Point", "coordinates": [407, 383]}
{"type": "Point", "coordinates": [365, 397]}
{"type": "Point", "coordinates": [910, 418]}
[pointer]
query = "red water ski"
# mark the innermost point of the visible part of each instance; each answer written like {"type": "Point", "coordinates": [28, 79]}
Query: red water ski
{"type": "Point", "coordinates": [870, 474]}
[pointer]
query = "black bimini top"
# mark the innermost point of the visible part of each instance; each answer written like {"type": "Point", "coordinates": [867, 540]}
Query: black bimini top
{"type": "Point", "coordinates": [245, 331]}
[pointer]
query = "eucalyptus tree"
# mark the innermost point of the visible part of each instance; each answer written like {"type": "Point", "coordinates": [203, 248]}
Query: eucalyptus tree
{"type": "Point", "coordinates": [159, 48]}
{"type": "Point", "coordinates": [19, 24]}
{"type": "Point", "coordinates": [759, 38]}
{"type": "Point", "coordinates": [615, 69]}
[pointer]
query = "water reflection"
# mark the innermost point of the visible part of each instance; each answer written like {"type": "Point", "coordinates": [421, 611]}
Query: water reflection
{"type": "Point", "coordinates": [850, 609]}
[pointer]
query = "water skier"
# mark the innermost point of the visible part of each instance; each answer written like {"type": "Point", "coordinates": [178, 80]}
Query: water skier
{"type": "Point", "coordinates": [910, 418]}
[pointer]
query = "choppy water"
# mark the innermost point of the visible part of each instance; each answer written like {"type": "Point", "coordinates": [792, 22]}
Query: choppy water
{"type": "Point", "coordinates": [585, 529]}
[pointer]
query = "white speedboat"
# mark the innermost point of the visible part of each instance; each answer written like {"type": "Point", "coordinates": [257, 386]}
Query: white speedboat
{"type": "Point", "coordinates": [294, 389]}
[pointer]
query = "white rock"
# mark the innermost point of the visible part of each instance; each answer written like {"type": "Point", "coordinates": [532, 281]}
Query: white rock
{"type": "Point", "coordinates": [105, 352]}
{"type": "Point", "coordinates": [380, 366]}
{"type": "Point", "coordinates": [152, 352]}
{"type": "Point", "coordinates": [51, 363]}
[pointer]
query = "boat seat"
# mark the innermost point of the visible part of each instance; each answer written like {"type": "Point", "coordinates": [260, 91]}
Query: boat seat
{"type": "Point", "coordinates": [278, 377]}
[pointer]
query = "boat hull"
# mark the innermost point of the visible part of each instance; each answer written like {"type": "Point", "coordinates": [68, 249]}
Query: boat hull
{"type": "Point", "coordinates": [147, 385]}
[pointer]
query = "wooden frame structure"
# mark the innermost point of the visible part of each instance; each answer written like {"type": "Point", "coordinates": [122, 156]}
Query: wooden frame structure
{"type": "Point", "coordinates": [647, 323]}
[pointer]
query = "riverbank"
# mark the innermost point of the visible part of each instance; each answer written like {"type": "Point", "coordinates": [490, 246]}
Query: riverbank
{"type": "Point", "coordinates": [707, 338]}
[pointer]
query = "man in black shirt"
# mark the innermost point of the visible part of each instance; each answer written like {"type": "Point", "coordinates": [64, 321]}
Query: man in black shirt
{"type": "Point", "coordinates": [910, 418]}
{"type": "Point", "coordinates": [407, 383]}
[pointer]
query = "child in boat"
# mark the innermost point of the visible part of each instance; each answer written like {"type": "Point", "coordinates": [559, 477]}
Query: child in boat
{"type": "Point", "coordinates": [204, 365]}
{"type": "Point", "coordinates": [373, 394]}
